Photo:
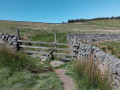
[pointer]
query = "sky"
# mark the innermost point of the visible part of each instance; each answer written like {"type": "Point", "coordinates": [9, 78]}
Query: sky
{"type": "Point", "coordinates": [57, 11]}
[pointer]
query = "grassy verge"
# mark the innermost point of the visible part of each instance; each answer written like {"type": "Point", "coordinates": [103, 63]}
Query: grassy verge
{"type": "Point", "coordinates": [24, 80]}
{"type": "Point", "coordinates": [89, 76]}
{"type": "Point", "coordinates": [19, 61]}
{"type": "Point", "coordinates": [86, 75]}
{"type": "Point", "coordinates": [19, 72]}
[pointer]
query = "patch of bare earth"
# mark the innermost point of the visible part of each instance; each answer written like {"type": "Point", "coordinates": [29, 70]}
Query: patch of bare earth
{"type": "Point", "coordinates": [67, 81]}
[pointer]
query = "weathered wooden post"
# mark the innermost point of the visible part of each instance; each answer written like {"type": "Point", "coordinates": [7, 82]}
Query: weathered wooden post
{"type": "Point", "coordinates": [68, 37]}
{"type": "Point", "coordinates": [75, 39]}
{"type": "Point", "coordinates": [18, 38]}
{"type": "Point", "coordinates": [91, 46]}
{"type": "Point", "coordinates": [18, 34]}
{"type": "Point", "coordinates": [55, 40]}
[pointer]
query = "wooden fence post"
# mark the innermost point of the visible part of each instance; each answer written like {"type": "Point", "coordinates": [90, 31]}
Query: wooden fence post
{"type": "Point", "coordinates": [18, 34]}
{"type": "Point", "coordinates": [91, 46]}
{"type": "Point", "coordinates": [55, 40]}
{"type": "Point", "coordinates": [18, 37]}
{"type": "Point", "coordinates": [68, 37]}
{"type": "Point", "coordinates": [75, 39]}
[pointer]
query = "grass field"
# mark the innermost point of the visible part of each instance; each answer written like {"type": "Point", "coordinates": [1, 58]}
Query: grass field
{"type": "Point", "coordinates": [48, 80]}
{"type": "Point", "coordinates": [90, 26]}
{"type": "Point", "coordinates": [111, 24]}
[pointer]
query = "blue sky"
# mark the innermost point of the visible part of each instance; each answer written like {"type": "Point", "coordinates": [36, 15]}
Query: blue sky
{"type": "Point", "coordinates": [56, 11]}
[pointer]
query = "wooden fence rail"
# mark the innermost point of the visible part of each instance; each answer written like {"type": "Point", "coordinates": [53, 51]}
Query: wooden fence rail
{"type": "Point", "coordinates": [38, 42]}
{"type": "Point", "coordinates": [39, 47]}
{"type": "Point", "coordinates": [42, 52]}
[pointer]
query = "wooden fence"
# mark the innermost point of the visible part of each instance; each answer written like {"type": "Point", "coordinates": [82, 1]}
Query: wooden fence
{"type": "Point", "coordinates": [53, 51]}
{"type": "Point", "coordinates": [45, 51]}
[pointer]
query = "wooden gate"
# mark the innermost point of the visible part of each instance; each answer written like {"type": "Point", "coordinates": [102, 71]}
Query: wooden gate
{"type": "Point", "coordinates": [46, 50]}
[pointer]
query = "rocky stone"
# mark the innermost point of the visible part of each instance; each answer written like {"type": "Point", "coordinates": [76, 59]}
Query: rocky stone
{"type": "Point", "coordinates": [56, 63]}
{"type": "Point", "coordinates": [97, 37]}
{"type": "Point", "coordinates": [9, 40]}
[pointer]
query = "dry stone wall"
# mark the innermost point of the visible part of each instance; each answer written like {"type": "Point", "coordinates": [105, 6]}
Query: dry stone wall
{"type": "Point", "coordinates": [98, 37]}
{"type": "Point", "coordinates": [10, 40]}
{"type": "Point", "coordinates": [106, 60]}
{"type": "Point", "coordinates": [82, 50]}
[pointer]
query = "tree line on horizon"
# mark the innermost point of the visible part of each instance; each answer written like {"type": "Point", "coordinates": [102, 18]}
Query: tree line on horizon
{"type": "Point", "coordinates": [99, 18]}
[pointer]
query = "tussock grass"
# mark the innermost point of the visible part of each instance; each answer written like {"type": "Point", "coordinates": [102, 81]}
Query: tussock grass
{"type": "Point", "coordinates": [89, 76]}
{"type": "Point", "coordinates": [12, 59]}
{"type": "Point", "coordinates": [23, 80]}
{"type": "Point", "coordinates": [19, 72]}
{"type": "Point", "coordinates": [19, 61]}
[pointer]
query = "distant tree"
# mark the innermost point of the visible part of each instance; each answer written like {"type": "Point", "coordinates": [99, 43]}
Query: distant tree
{"type": "Point", "coordinates": [99, 18]}
{"type": "Point", "coordinates": [63, 22]}
{"type": "Point", "coordinates": [113, 17]}
{"type": "Point", "coordinates": [118, 17]}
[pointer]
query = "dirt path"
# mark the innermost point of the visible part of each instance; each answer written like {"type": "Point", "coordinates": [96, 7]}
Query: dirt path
{"type": "Point", "coordinates": [67, 81]}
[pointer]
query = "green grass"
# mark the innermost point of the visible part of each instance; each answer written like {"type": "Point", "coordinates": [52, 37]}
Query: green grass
{"type": "Point", "coordinates": [12, 59]}
{"type": "Point", "coordinates": [24, 80]}
{"type": "Point", "coordinates": [106, 23]}
{"type": "Point", "coordinates": [19, 61]}
{"type": "Point", "coordinates": [20, 72]}
{"type": "Point", "coordinates": [46, 36]}
{"type": "Point", "coordinates": [111, 47]}
{"type": "Point", "coordinates": [89, 77]}
{"type": "Point", "coordinates": [48, 82]}
{"type": "Point", "coordinates": [91, 26]}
